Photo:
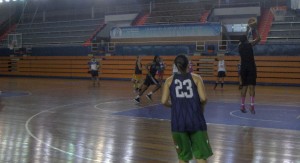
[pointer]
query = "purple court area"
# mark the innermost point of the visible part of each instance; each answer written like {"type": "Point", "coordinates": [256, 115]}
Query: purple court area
{"type": "Point", "coordinates": [13, 93]}
{"type": "Point", "coordinates": [267, 116]}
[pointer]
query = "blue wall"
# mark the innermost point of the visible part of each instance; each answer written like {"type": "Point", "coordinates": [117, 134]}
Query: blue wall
{"type": "Point", "coordinates": [271, 50]}
{"type": "Point", "coordinates": [260, 50]}
{"type": "Point", "coordinates": [167, 30]}
{"type": "Point", "coordinates": [53, 51]}
{"type": "Point", "coordinates": [64, 51]}
{"type": "Point", "coordinates": [155, 50]}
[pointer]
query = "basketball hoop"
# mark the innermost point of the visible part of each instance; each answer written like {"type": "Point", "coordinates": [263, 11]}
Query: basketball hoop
{"type": "Point", "coordinates": [14, 41]}
{"type": "Point", "coordinates": [13, 45]}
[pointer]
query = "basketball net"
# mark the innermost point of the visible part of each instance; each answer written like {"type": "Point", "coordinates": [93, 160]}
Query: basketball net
{"type": "Point", "coordinates": [13, 45]}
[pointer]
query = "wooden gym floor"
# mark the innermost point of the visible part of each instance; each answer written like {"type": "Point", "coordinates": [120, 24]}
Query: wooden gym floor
{"type": "Point", "coordinates": [69, 121]}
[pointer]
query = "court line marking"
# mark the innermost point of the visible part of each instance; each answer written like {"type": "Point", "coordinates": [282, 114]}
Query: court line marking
{"type": "Point", "coordinates": [96, 106]}
{"type": "Point", "coordinates": [254, 119]}
{"type": "Point", "coordinates": [231, 114]}
{"type": "Point", "coordinates": [269, 104]}
{"type": "Point", "coordinates": [265, 128]}
{"type": "Point", "coordinates": [238, 94]}
{"type": "Point", "coordinates": [49, 145]}
{"type": "Point", "coordinates": [218, 124]}
{"type": "Point", "coordinates": [37, 139]}
{"type": "Point", "coordinates": [136, 117]}
{"type": "Point", "coordinates": [28, 94]}
{"type": "Point", "coordinates": [138, 107]}
{"type": "Point", "coordinates": [85, 158]}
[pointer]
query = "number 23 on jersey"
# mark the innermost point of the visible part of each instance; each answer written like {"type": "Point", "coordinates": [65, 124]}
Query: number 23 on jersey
{"type": "Point", "coordinates": [181, 92]}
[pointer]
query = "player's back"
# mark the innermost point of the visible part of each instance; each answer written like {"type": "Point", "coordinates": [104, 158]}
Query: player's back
{"type": "Point", "coordinates": [153, 68]}
{"type": "Point", "coordinates": [186, 109]}
{"type": "Point", "coordinates": [246, 53]}
{"type": "Point", "coordinates": [221, 65]}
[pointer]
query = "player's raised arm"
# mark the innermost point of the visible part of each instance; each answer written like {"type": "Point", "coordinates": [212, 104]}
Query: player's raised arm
{"type": "Point", "coordinates": [252, 28]}
{"type": "Point", "coordinates": [257, 39]}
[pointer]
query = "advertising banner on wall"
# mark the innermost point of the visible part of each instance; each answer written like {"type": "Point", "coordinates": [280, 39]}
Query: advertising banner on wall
{"type": "Point", "coordinates": [180, 30]}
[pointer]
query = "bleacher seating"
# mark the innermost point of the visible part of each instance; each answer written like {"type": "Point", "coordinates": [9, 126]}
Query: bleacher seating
{"type": "Point", "coordinates": [61, 32]}
{"type": "Point", "coordinates": [169, 13]}
{"type": "Point", "coordinates": [265, 24]}
{"type": "Point", "coordinates": [286, 28]}
{"type": "Point", "coordinates": [7, 10]}
{"type": "Point", "coordinates": [140, 19]}
{"type": "Point", "coordinates": [205, 16]}
{"type": "Point", "coordinates": [48, 66]}
{"type": "Point", "coordinates": [270, 69]}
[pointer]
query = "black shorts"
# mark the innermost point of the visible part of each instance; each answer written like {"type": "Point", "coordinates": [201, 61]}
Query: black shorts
{"type": "Point", "coordinates": [150, 80]}
{"type": "Point", "coordinates": [221, 74]}
{"type": "Point", "coordinates": [248, 75]}
{"type": "Point", "coordinates": [94, 73]}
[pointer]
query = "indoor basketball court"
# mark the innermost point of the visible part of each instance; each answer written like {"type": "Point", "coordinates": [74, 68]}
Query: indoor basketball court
{"type": "Point", "coordinates": [69, 120]}
{"type": "Point", "coordinates": [74, 79]}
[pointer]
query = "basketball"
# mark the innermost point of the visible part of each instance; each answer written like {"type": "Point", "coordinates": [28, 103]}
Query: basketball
{"type": "Point", "coordinates": [252, 22]}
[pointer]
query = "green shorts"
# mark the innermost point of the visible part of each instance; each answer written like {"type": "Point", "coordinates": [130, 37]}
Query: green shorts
{"type": "Point", "coordinates": [192, 144]}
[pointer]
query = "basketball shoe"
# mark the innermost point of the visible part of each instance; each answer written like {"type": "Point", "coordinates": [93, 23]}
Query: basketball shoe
{"type": "Point", "coordinates": [137, 100]}
{"type": "Point", "coordinates": [252, 110]}
{"type": "Point", "coordinates": [149, 97]}
{"type": "Point", "coordinates": [243, 109]}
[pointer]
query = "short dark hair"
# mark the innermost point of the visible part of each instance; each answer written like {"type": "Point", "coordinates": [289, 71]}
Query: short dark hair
{"type": "Point", "coordinates": [155, 57]}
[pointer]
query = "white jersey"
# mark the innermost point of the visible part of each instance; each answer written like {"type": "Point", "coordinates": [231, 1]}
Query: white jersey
{"type": "Point", "coordinates": [221, 65]}
{"type": "Point", "coordinates": [94, 65]}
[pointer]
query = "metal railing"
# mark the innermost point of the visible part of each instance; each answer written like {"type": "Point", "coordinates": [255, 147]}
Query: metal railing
{"type": "Point", "coordinates": [230, 5]}
{"type": "Point", "coordinates": [220, 45]}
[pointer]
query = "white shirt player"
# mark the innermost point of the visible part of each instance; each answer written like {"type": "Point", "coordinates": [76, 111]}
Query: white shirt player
{"type": "Point", "coordinates": [221, 65]}
{"type": "Point", "coordinates": [94, 66]}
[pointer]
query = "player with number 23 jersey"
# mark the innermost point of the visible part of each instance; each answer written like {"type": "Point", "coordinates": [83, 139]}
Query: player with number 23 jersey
{"type": "Point", "coordinates": [188, 98]}
{"type": "Point", "coordinates": [184, 94]}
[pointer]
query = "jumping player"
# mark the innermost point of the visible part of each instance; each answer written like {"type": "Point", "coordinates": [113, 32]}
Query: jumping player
{"type": "Point", "coordinates": [150, 79]}
{"type": "Point", "coordinates": [248, 70]}
{"type": "Point", "coordinates": [251, 31]}
{"type": "Point", "coordinates": [188, 125]}
{"type": "Point", "coordinates": [239, 75]}
{"type": "Point", "coordinates": [221, 71]}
